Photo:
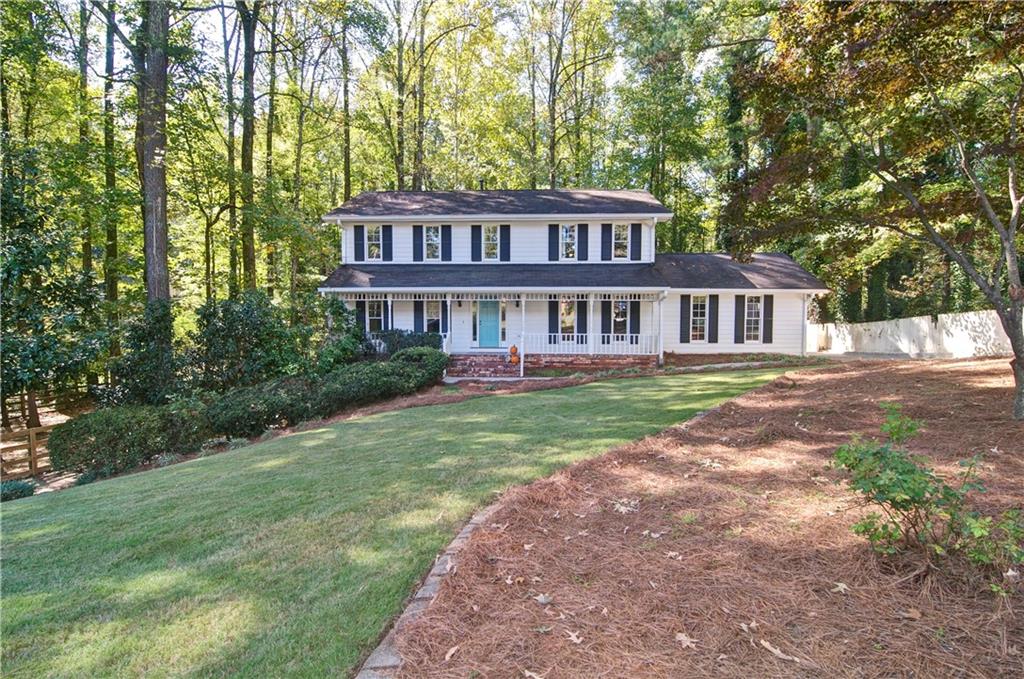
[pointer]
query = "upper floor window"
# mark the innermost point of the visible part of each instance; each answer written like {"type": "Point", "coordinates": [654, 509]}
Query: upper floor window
{"type": "Point", "coordinates": [432, 242]}
{"type": "Point", "coordinates": [491, 240]}
{"type": "Point", "coordinates": [567, 246]}
{"type": "Point", "coordinates": [620, 241]}
{"type": "Point", "coordinates": [375, 315]}
{"type": "Point", "coordinates": [698, 318]}
{"type": "Point", "coordinates": [752, 326]}
{"type": "Point", "coordinates": [432, 312]}
{"type": "Point", "coordinates": [373, 242]}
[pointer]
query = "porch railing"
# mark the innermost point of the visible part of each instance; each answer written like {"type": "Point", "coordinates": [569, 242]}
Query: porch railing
{"type": "Point", "coordinates": [598, 343]}
{"type": "Point", "coordinates": [378, 344]}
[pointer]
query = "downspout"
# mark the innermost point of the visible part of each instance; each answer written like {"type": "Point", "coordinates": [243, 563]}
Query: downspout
{"type": "Point", "coordinates": [803, 325]}
{"type": "Point", "coordinates": [661, 328]}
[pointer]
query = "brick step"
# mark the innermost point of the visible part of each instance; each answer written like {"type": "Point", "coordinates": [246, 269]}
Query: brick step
{"type": "Point", "coordinates": [481, 365]}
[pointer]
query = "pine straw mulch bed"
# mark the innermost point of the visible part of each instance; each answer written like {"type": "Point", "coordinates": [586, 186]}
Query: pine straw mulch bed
{"type": "Point", "coordinates": [724, 549]}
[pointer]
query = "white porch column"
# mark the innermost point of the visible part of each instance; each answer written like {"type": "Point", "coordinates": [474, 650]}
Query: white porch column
{"type": "Point", "coordinates": [590, 323]}
{"type": "Point", "coordinates": [522, 335]}
{"type": "Point", "coordinates": [448, 335]}
{"type": "Point", "coordinates": [661, 329]}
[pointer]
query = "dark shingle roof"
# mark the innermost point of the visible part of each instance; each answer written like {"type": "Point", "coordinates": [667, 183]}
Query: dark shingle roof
{"type": "Point", "coordinates": [772, 270]}
{"type": "Point", "coordinates": [710, 271]}
{"type": "Point", "coordinates": [469, 203]}
{"type": "Point", "coordinates": [504, 276]}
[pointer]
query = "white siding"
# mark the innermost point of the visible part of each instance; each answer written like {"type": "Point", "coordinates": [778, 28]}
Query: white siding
{"type": "Point", "coordinates": [528, 243]}
{"type": "Point", "coordinates": [787, 327]}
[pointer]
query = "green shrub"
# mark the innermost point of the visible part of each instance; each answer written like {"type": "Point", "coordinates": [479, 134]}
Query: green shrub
{"type": "Point", "coordinates": [250, 411]}
{"type": "Point", "coordinates": [397, 340]}
{"type": "Point", "coordinates": [115, 439]}
{"type": "Point", "coordinates": [367, 382]}
{"type": "Point", "coordinates": [244, 341]}
{"type": "Point", "coordinates": [432, 362]}
{"type": "Point", "coordinates": [12, 490]}
{"type": "Point", "coordinates": [147, 372]}
{"type": "Point", "coordinates": [921, 511]}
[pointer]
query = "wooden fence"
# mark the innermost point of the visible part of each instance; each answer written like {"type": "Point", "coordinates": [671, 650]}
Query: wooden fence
{"type": "Point", "coordinates": [23, 453]}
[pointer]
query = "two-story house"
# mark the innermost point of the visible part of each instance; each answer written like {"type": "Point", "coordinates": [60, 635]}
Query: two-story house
{"type": "Point", "coordinates": [570, 278]}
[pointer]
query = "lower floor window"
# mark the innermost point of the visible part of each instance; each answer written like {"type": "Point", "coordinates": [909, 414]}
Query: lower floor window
{"type": "Point", "coordinates": [375, 316]}
{"type": "Point", "coordinates": [432, 311]}
{"type": "Point", "coordinates": [699, 318]}
{"type": "Point", "coordinates": [568, 316]}
{"type": "Point", "coordinates": [620, 317]}
{"type": "Point", "coordinates": [752, 328]}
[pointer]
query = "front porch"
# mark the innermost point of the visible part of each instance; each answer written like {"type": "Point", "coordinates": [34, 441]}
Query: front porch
{"type": "Point", "coordinates": [577, 329]}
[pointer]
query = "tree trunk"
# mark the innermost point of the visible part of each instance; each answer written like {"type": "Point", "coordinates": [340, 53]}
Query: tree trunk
{"type": "Point", "coordinates": [421, 77]}
{"type": "Point", "coordinates": [1011, 322]}
{"type": "Point", "coordinates": [208, 259]}
{"type": "Point", "coordinates": [83, 133]}
{"type": "Point", "coordinates": [249, 18]}
{"type": "Point", "coordinates": [33, 409]}
{"type": "Point", "coordinates": [109, 187]}
{"type": "Point", "coordinates": [5, 415]}
{"type": "Point", "coordinates": [268, 201]}
{"type": "Point", "coordinates": [346, 120]}
{"type": "Point", "coordinates": [153, 119]}
{"type": "Point", "coordinates": [400, 86]}
{"type": "Point", "coordinates": [229, 91]}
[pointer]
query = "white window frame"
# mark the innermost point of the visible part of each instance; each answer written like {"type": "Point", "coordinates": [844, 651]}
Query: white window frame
{"type": "Point", "coordinates": [758, 302]}
{"type": "Point", "coordinates": [427, 229]}
{"type": "Point", "coordinates": [378, 241]}
{"type": "Point", "coordinates": [616, 305]}
{"type": "Point", "coordinates": [432, 314]}
{"type": "Point", "coordinates": [491, 238]}
{"type": "Point", "coordinates": [371, 317]}
{"type": "Point", "coordinates": [563, 304]}
{"type": "Point", "coordinates": [615, 239]}
{"type": "Point", "coordinates": [564, 231]}
{"type": "Point", "coordinates": [696, 302]}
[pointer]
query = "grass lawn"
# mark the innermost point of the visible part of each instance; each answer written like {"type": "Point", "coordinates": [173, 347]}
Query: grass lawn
{"type": "Point", "coordinates": [289, 557]}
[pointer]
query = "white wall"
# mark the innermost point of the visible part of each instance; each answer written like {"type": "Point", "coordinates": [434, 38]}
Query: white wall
{"type": "Point", "coordinates": [960, 335]}
{"type": "Point", "coordinates": [528, 244]}
{"type": "Point", "coordinates": [787, 327]}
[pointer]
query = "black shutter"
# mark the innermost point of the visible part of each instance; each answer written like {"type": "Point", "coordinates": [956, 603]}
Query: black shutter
{"type": "Point", "coordinates": [553, 321]}
{"type": "Point", "coordinates": [444, 317]}
{"type": "Point", "coordinates": [767, 314]}
{"type": "Point", "coordinates": [606, 321]}
{"type": "Point", "coordinates": [552, 242]}
{"type": "Point", "coordinates": [361, 314]}
{"type": "Point", "coordinates": [581, 321]}
{"type": "Point", "coordinates": [712, 329]}
{"type": "Point", "coordinates": [417, 316]}
{"type": "Point", "coordinates": [741, 302]}
{"type": "Point", "coordinates": [360, 246]}
{"type": "Point", "coordinates": [634, 322]}
{"type": "Point", "coordinates": [582, 253]}
{"type": "Point", "coordinates": [635, 241]}
{"type": "Point", "coordinates": [606, 242]}
{"type": "Point", "coordinates": [684, 318]}
{"type": "Point", "coordinates": [385, 321]}
{"type": "Point", "coordinates": [446, 242]}
{"type": "Point", "coordinates": [417, 243]}
{"type": "Point", "coordinates": [505, 242]}
{"type": "Point", "coordinates": [385, 242]}
{"type": "Point", "coordinates": [475, 238]}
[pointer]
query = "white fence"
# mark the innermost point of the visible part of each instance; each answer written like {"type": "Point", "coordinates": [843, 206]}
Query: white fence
{"type": "Point", "coordinates": [960, 335]}
{"type": "Point", "coordinates": [620, 345]}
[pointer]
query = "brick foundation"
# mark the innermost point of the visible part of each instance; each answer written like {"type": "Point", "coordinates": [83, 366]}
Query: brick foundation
{"type": "Point", "coordinates": [586, 363]}
{"type": "Point", "coordinates": [481, 365]}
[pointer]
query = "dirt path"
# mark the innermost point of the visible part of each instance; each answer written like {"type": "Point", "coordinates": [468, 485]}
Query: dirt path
{"type": "Point", "coordinates": [724, 549]}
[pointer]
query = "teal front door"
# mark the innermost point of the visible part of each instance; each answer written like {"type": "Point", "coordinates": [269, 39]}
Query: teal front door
{"type": "Point", "coordinates": [490, 328]}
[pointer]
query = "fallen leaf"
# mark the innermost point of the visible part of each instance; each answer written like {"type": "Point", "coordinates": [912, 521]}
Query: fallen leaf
{"type": "Point", "coordinates": [841, 588]}
{"type": "Point", "coordinates": [685, 640]}
{"type": "Point", "coordinates": [451, 651]}
{"type": "Point", "coordinates": [476, 609]}
{"type": "Point", "coordinates": [910, 614]}
{"type": "Point", "coordinates": [541, 630]}
{"type": "Point", "coordinates": [531, 675]}
{"type": "Point", "coordinates": [778, 653]}
{"type": "Point", "coordinates": [747, 627]}
{"type": "Point", "coordinates": [528, 547]}
{"type": "Point", "coordinates": [574, 637]}
{"type": "Point", "coordinates": [723, 656]}
{"type": "Point", "coordinates": [653, 586]}
{"type": "Point", "coordinates": [674, 555]}
{"type": "Point", "coordinates": [604, 611]}
{"type": "Point", "coordinates": [543, 599]}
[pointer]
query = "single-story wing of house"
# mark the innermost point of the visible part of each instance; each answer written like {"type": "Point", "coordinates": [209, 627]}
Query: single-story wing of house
{"type": "Point", "coordinates": [557, 278]}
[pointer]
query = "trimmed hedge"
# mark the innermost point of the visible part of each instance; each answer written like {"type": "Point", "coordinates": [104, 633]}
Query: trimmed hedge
{"type": "Point", "coordinates": [112, 440]}
{"type": "Point", "coordinates": [396, 341]}
{"type": "Point", "coordinates": [116, 439]}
